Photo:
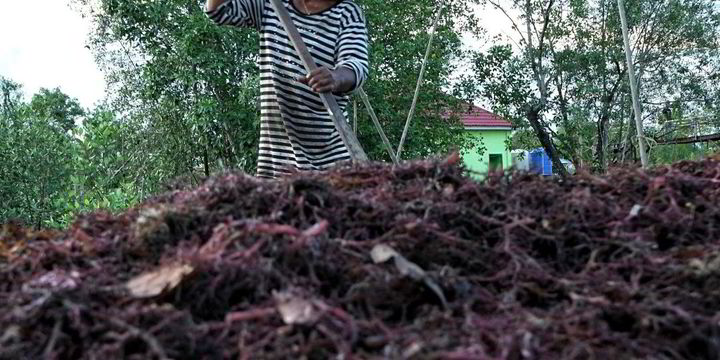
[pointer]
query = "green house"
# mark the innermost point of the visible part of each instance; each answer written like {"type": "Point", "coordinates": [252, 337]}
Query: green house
{"type": "Point", "coordinates": [494, 134]}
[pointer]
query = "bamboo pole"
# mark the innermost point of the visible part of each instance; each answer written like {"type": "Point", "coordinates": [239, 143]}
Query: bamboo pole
{"type": "Point", "coordinates": [633, 86]}
{"type": "Point", "coordinates": [355, 117]}
{"type": "Point", "coordinates": [379, 128]}
{"type": "Point", "coordinates": [419, 83]}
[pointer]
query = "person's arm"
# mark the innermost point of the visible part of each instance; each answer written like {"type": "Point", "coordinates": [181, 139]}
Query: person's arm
{"type": "Point", "coordinates": [351, 62]}
{"type": "Point", "coordinates": [242, 13]}
{"type": "Point", "coordinates": [211, 5]}
{"type": "Point", "coordinates": [352, 53]}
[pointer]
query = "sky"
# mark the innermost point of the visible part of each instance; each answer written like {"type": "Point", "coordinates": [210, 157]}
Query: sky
{"type": "Point", "coordinates": [50, 51]}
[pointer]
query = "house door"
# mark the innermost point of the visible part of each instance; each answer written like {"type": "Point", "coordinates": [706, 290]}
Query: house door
{"type": "Point", "coordinates": [496, 163]}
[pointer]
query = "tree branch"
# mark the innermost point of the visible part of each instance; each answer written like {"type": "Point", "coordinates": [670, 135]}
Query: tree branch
{"type": "Point", "coordinates": [546, 21]}
{"type": "Point", "coordinates": [515, 25]}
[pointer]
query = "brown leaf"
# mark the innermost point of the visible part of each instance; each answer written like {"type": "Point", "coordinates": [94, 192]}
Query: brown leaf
{"type": "Point", "coordinates": [408, 268]}
{"type": "Point", "coordinates": [382, 253]}
{"type": "Point", "coordinates": [159, 281]}
{"type": "Point", "coordinates": [12, 333]}
{"type": "Point", "coordinates": [296, 310]}
{"type": "Point", "coordinates": [413, 349]}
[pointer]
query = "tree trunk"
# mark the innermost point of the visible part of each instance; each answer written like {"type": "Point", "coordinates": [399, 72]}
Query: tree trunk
{"type": "Point", "coordinates": [621, 134]}
{"type": "Point", "coordinates": [600, 145]}
{"type": "Point", "coordinates": [206, 160]}
{"type": "Point", "coordinates": [576, 156]}
{"type": "Point", "coordinates": [629, 154]}
{"type": "Point", "coordinates": [603, 131]}
{"type": "Point", "coordinates": [627, 140]}
{"type": "Point", "coordinates": [603, 126]}
{"type": "Point", "coordinates": [533, 115]}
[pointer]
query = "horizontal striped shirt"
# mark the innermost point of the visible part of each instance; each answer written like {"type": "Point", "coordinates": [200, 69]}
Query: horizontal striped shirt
{"type": "Point", "coordinates": [296, 130]}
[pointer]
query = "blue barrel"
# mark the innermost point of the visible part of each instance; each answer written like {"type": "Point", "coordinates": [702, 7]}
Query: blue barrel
{"type": "Point", "coordinates": [540, 162]}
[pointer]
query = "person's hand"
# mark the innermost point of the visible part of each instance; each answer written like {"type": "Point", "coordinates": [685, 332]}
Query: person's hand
{"type": "Point", "coordinates": [321, 80]}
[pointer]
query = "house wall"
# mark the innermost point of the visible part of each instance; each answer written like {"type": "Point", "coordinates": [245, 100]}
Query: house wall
{"type": "Point", "coordinates": [494, 141]}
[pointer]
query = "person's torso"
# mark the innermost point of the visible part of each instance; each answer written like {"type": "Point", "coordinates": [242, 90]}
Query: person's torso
{"type": "Point", "coordinates": [278, 61]}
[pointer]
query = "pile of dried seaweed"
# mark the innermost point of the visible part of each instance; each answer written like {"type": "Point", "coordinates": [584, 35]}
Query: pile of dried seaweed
{"type": "Point", "coordinates": [416, 261]}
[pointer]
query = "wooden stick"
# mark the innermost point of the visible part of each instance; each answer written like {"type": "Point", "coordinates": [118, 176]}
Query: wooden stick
{"type": "Point", "coordinates": [379, 128]}
{"type": "Point", "coordinates": [355, 117]}
{"type": "Point", "coordinates": [348, 137]}
{"type": "Point", "coordinates": [419, 82]}
{"type": "Point", "coordinates": [248, 315]}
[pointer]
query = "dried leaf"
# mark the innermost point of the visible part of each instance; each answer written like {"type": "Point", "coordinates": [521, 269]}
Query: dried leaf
{"type": "Point", "coordinates": [11, 334]}
{"type": "Point", "coordinates": [408, 268]}
{"type": "Point", "coordinates": [635, 211]}
{"type": "Point", "coordinates": [707, 266]}
{"type": "Point", "coordinates": [412, 350]}
{"type": "Point", "coordinates": [545, 224]}
{"type": "Point", "coordinates": [382, 253]}
{"type": "Point", "coordinates": [150, 223]}
{"type": "Point", "coordinates": [296, 310]}
{"type": "Point", "coordinates": [159, 281]}
{"type": "Point", "coordinates": [437, 290]}
{"type": "Point", "coordinates": [527, 345]}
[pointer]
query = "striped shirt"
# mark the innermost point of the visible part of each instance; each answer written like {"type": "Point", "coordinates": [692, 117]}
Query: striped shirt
{"type": "Point", "coordinates": [296, 130]}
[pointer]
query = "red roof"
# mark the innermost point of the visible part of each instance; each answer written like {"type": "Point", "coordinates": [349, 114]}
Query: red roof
{"type": "Point", "coordinates": [478, 117]}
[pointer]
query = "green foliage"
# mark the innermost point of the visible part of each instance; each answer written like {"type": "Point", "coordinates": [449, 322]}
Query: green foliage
{"type": "Point", "coordinates": [570, 64]}
{"type": "Point", "coordinates": [34, 170]}
{"type": "Point", "coordinates": [505, 81]}
{"type": "Point", "coordinates": [524, 139]}
{"type": "Point", "coordinates": [399, 35]}
{"type": "Point", "coordinates": [53, 168]}
{"type": "Point", "coordinates": [56, 108]}
{"type": "Point", "coordinates": [189, 86]}
{"type": "Point", "coordinates": [475, 145]}
{"type": "Point", "coordinates": [668, 154]}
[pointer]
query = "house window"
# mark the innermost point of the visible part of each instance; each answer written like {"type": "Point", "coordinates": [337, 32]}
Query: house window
{"type": "Point", "coordinates": [496, 163]}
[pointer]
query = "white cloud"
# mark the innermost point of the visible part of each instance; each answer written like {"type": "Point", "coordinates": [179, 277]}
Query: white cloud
{"type": "Point", "coordinates": [43, 45]}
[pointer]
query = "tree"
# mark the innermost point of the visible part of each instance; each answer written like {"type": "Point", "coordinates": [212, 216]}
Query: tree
{"type": "Point", "coordinates": [11, 96]}
{"type": "Point", "coordinates": [190, 85]}
{"type": "Point", "coordinates": [35, 168]}
{"type": "Point", "coordinates": [57, 108]}
{"type": "Point", "coordinates": [59, 160]}
{"type": "Point", "coordinates": [667, 36]}
{"type": "Point", "coordinates": [193, 85]}
{"type": "Point", "coordinates": [569, 65]}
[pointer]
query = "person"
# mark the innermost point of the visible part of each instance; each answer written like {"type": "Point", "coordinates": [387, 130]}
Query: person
{"type": "Point", "coordinates": [296, 131]}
